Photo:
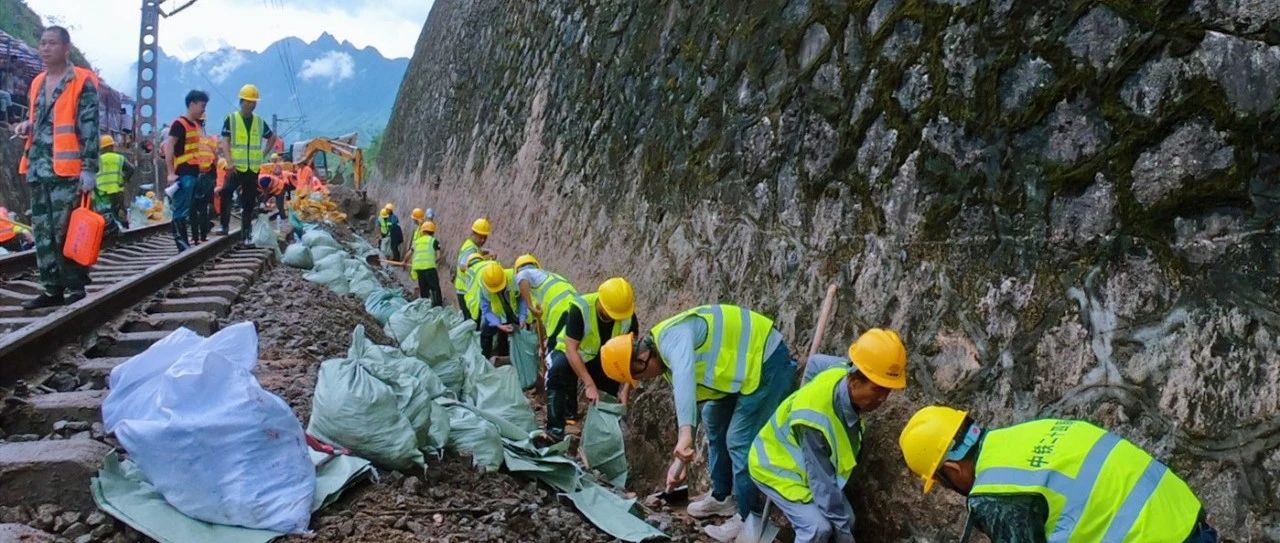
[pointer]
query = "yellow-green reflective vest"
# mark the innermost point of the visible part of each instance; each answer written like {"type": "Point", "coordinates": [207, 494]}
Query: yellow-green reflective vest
{"type": "Point", "coordinates": [417, 231]}
{"type": "Point", "coordinates": [475, 287]}
{"type": "Point", "coordinates": [730, 359]}
{"type": "Point", "coordinates": [776, 460]}
{"type": "Point", "coordinates": [589, 347]}
{"type": "Point", "coordinates": [424, 252]}
{"type": "Point", "coordinates": [384, 226]}
{"type": "Point", "coordinates": [460, 279]}
{"type": "Point", "coordinates": [1099, 487]}
{"type": "Point", "coordinates": [246, 146]}
{"type": "Point", "coordinates": [495, 298]}
{"type": "Point", "coordinates": [555, 295]}
{"type": "Point", "coordinates": [110, 172]}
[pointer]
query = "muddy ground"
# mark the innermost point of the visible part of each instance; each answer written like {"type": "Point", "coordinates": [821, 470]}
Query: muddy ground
{"type": "Point", "coordinates": [301, 324]}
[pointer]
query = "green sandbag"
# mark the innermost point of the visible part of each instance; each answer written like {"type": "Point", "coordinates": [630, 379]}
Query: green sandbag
{"type": "Point", "coordinates": [524, 356]}
{"type": "Point", "coordinates": [602, 446]}
{"type": "Point", "coordinates": [319, 238]}
{"type": "Point", "coordinates": [469, 433]}
{"type": "Point", "coordinates": [405, 320]}
{"type": "Point", "coordinates": [320, 251]}
{"type": "Point", "coordinates": [381, 303]}
{"type": "Point", "coordinates": [297, 255]}
{"type": "Point", "coordinates": [335, 280]}
{"type": "Point", "coordinates": [376, 404]}
{"type": "Point", "coordinates": [362, 281]}
{"type": "Point", "coordinates": [498, 393]}
{"type": "Point", "coordinates": [336, 261]}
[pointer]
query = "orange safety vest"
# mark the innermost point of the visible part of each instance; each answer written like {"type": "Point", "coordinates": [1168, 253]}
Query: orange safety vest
{"type": "Point", "coordinates": [195, 148]}
{"type": "Point", "coordinates": [220, 181]}
{"type": "Point", "coordinates": [66, 141]}
{"type": "Point", "coordinates": [6, 230]}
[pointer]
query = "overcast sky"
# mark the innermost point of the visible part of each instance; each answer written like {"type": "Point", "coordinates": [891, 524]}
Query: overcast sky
{"type": "Point", "coordinates": [107, 30]}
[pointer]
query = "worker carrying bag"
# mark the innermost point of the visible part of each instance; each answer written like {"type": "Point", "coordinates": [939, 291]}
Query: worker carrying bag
{"type": "Point", "coordinates": [84, 234]}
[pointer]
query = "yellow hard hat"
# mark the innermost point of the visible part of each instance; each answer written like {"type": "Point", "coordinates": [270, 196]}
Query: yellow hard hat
{"type": "Point", "coordinates": [275, 156]}
{"type": "Point", "coordinates": [615, 358]}
{"type": "Point", "coordinates": [249, 92]}
{"type": "Point", "coordinates": [384, 213]}
{"type": "Point", "coordinates": [481, 226]}
{"type": "Point", "coordinates": [927, 438]}
{"type": "Point", "coordinates": [526, 259]}
{"type": "Point", "coordinates": [475, 257]}
{"type": "Point", "coordinates": [389, 207]}
{"type": "Point", "coordinates": [106, 141]}
{"type": "Point", "coordinates": [616, 297]}
{"type": "Point", "coordinates": [880, 355]}
{"type": "Point", "coordinates": [494, 277]}
{"type": "Point", "coordinates": [428, 227]}
{"type": "Point", "coordinates": [418, 214]}
{"type": "Point", "coordinates": [151, 194]}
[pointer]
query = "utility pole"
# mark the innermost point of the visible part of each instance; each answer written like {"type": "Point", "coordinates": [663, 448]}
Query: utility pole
{"type": "Point", "coordinates": [275, 125]}
{"type": "Point", "coordinates": [144, 109]}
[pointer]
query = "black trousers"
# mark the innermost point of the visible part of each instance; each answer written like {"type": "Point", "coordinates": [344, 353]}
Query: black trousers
{"type": "Point", "coordinates": [462, 305]}
{"type": "Point", "coordinates": [494, 342]}
{"type": "Point", "coordinates": [247, 184]}
{"type": "Point", "coordinates": [429, 286]}
{"type": "Point", "coordinates": [562, 389]}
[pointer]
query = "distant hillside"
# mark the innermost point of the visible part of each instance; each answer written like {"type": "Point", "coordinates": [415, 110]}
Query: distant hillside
{"type": "Point", "coordinates": [19, 21]}
{"type": "Point", "coordinates": [336, 86]}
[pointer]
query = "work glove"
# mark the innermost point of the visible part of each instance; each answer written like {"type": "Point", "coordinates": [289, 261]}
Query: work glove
{"type": "Point", "coordinates": [88, 181]}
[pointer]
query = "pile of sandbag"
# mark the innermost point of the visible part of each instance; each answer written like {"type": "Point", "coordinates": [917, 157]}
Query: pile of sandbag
{"type": "Point", "coordinates": [207, 436]}
{"type": "Point", "coordinates": [315, 206]}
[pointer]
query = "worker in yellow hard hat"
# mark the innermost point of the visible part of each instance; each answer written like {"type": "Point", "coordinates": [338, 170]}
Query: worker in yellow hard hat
{"type": "Point", "coordinates": [390, 236]}
{"type": "Point", "coordinates": [802, 459]}
{"type": "Point", "coordinates": [735, 362]}
{"type": "Point", "coordinates": [421, 261]}
{"type": "Point", "coordinates": [1051, 480]}
{"type": "Point", "coordinates": [544, 296]}
{"type": "Point", "coordinates": [246, 138]}
{"type": "Point", "coordinates": [474, 269]}
{"type": "Point", "coordinates": [114, 170]}
{"type": "Point", "coordinates": [480, 230]}
{"type": "Point", "coordinates": [500, 310]}
{"type": "Point", "coordinates": [418, 216]}
{"type": "Point", "coordinates": [586, 323]}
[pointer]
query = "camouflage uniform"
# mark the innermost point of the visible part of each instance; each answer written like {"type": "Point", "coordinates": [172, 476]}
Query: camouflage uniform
{"type": "Point", "coordinates": [53, 197]}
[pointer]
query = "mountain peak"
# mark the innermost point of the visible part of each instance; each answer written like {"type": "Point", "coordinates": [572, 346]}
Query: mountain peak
{"type": "Point", "coordinates": [328, 40]}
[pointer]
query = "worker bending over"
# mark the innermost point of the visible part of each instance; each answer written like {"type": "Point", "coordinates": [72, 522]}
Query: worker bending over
{"type": "Point", "coordinates": [422, 263]}
{"type": "Point", "coordinates": [736, 362]}
{"type": "Point", "coordinates": [480, 230]}
{"type": "Point", "coordinates": [1052, 480]}
{"type": "Point", "coordinates": [113, 170]}
{"type": "Point", "coordinates": [804, 456]}
{"type": "Point", "coordinates": [588, 321]}
{"type": "Point", "coordinates": [499, 313]}
{"type": "Point", "coordinates": [545, 296]}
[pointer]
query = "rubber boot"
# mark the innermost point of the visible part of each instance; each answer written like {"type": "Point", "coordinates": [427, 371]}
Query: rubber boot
{"type": "Point", "coordinates": [555, 413]}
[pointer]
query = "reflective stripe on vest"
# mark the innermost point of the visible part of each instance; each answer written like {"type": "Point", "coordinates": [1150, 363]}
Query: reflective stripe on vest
{"type": "Point", "coordinates": [474, 286]}
{"type": "Point", "coordinates": [246, 146]}
{"type": "Point", "coordinates": [194, 146]}
{"type": "Point", "coordinates": [776, 459]}
{"type": "Point", "coordinates": [424, 252]}
{"type": "Point", "coordinates": [555, 295]}
{"type": "Point", "coordinates": [1099, 487]}
{"type": "Point", "coordinates": [66, 117]}
{"type": "Point", "coordinates": [110, 172]}
{"type": "Point", "coordinates": [589, 347]}
{"type": "Point", "coordinates": [729, 360]}
{"type": "Point", "coordinates": [468, 248]}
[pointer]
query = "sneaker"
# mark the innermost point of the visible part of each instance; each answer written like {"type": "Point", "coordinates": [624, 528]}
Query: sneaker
{"type": "Point", "coordinates": [724, 533]}
{"type": "Point", "coordinates": [43, 301]}
{"type": "Point", "coordinates": [75, 297]}
{"type": "Point", "coordinates": [708, 507]}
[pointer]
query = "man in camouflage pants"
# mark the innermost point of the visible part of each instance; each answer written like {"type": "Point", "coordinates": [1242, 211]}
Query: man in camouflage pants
{"type": "Point", "coordinates": [60, 162]}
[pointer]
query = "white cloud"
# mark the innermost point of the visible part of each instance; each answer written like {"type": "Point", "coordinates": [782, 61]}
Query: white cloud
{"type": "Point", "coordinates": [219, 64]}
{"type": "Point", "coordinates": [333, 65]}
{"type": "Point", "coordinates": [106, 30]}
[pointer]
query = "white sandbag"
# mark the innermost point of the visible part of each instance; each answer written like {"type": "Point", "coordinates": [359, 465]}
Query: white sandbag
{"type": "Point", "coordinates": [320, 238]}
{"type": "Point", "coordinates": [212, 441]}
{"type": "Point", "coordinates": [264, 235]}
{"type": "Point", "coordinates": [297, 255]}
{"type": "Point", "coordinates": [362, 281]}
{"type": "Point", "coordinates": [320, 251]}
{"type": "Point", "coordinates": [335, 280]}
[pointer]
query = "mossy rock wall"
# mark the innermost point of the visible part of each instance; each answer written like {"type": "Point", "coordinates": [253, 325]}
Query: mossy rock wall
{"type": "Point", "coordinates": [1067, 208]}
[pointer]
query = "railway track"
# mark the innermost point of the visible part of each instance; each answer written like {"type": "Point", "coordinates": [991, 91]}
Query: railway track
{"type": "Point", "coordinates": [55, 363]}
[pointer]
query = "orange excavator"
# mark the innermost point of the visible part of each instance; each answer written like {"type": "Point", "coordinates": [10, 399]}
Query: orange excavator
{"type": "Point", "coordinates": [316, 151]}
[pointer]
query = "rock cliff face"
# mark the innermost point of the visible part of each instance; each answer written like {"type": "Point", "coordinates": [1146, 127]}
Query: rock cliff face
{"type": "Point", "coordinates": [1067, 208]}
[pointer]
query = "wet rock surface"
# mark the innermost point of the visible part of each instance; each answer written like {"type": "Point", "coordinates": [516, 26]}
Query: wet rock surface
{"type": "Point", "coordinates": [1089, 232]}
